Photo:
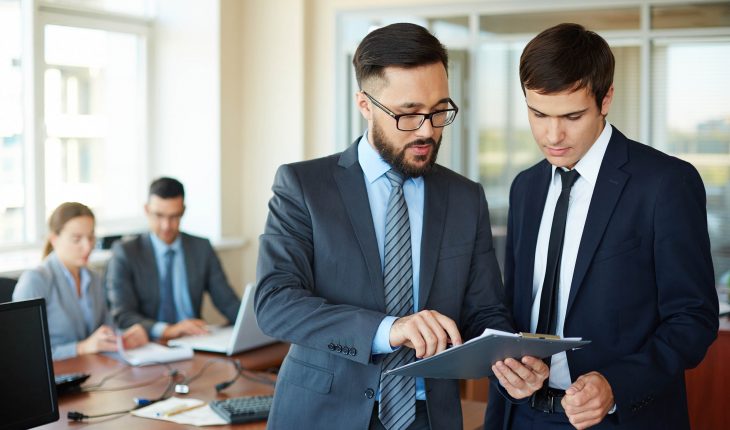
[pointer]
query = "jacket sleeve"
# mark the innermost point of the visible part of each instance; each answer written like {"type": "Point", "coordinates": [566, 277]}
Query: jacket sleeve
{"type": "Point", "coordinates": [33, 285]}
{"type": "Point", "coordinates": [224, 299]}
{"type": "Point", "coordinates": [125, 306]}
{"type": "Point", "coordinates": [687, 302]}
{"type": "Point", "coordinates": [484, 301]}
{"type": "Point", "coordinates": [287, 306]}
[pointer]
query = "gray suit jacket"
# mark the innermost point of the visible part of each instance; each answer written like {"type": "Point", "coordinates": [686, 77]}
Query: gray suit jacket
{"type": "Point", "coordinates": [132, 280]}
{"type": "Point", "coordinates": [320, 287]}
{"type": "Point", "coordinates": [65, 321]}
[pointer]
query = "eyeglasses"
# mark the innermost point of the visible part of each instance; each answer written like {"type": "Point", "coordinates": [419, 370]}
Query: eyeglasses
{"type": "Point", "coordinates": [414, 121]}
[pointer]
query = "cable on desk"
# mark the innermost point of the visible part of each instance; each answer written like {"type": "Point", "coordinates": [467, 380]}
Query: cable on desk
{"type": "Point", "coordinates": [106, 378]}
{"type": "Point", "coordinates": [173, 374]}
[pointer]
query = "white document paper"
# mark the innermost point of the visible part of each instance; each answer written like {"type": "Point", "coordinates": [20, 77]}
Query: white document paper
{"type": "Point", "coordinates": [201, 416]}
{"type": "Point", "coordinates": [151, 353]}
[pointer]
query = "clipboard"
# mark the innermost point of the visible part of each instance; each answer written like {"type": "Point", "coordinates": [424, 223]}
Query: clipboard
{"type": "Point", "coordinates": [474, 359]}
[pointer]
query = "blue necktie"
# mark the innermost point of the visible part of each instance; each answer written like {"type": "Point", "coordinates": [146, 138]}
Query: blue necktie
{"type": "Point", "coordinates": [397, 408]}
{"type": "Point", "coordinates": [167, 312]}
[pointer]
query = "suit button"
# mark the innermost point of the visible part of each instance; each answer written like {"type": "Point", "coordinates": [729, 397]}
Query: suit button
{"type": "Point", "coordinates": [338, 348]}
{"type": "Point", "coordinates": [345, 350]}
{"type": "Point", "coordinates": [353, 351]}
{"type": "Point", "coordinates": [369, 393]}
{"type": "Point", "coordinates": [331, 346]}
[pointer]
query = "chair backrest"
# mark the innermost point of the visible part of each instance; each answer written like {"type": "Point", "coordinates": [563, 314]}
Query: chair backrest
{"type": "Point", "coordinates": [7, 285]}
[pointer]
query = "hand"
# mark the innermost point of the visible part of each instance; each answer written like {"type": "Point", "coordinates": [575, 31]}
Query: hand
{"type": "Point", "coordinates": [185, 328]}
{"type": "Point", "coordinates": [588, 400]}
{"type": "Point", "coordinates": [521, 379]}
{"type": "Point", "coordinates": [135, 336]}
{"type": "Point", "coordinates": [103, 339]}
{"type": "Point", "coordinates": [428, 332]}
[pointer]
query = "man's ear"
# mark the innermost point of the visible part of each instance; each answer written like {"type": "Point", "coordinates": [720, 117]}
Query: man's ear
{"type": "Point", "coordinates": [363, 105]}
{"type": "Point", "coordinates": [606, 103]}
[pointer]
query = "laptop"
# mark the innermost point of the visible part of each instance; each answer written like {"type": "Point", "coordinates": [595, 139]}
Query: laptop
{"type": "Point", "coordinates": [245, 334]}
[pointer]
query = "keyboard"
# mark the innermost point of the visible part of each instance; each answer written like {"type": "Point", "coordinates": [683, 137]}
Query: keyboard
{"type": "Point", "coordinates": [239, 410]}
{"type": "Point", "coordinates": [70, 382]}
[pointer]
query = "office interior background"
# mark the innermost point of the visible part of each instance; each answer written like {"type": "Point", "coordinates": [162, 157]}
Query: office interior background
{"type": "Point", "coordinates": [98, 97]}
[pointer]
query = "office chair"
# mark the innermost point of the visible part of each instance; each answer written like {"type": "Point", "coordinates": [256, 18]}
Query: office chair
{"type": "Point", "coordinates": [7, 285]}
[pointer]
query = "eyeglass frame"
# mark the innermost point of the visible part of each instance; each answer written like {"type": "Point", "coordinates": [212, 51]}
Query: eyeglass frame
{"type": "Point", "coordinates": [424, 116]}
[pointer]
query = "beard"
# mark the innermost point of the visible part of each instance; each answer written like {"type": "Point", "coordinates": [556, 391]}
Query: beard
{"type": "Point", "coordinates": [397, 159]}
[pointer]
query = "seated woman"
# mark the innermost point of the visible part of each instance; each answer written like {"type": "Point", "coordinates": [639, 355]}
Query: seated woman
{"type": "Point", "coordinates": [75, 302]}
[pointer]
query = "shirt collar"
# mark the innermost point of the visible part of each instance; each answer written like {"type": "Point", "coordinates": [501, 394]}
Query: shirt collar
{"type": "Point", "coordinates": [161, 247]}
{"type": "Point", "coordinates": [83, 273]}
{"type": "Point", "coordinates": [372, 164]}
{"type": "Point", "coordinates": [589, 166]}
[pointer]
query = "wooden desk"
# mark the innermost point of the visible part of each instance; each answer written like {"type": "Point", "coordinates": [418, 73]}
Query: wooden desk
{"type": "Point", "coordinates": [708, 384]}
{"type": "Point", "coordinates": [202, 388]}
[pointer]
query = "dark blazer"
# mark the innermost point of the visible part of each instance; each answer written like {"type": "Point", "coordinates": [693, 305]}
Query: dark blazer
{"type": "Point", "coordinates": [320, 287]}
{"type": "Point", "coordinates": [643, 287]}
{"type": "Point", "coordinates": [66, 324]}
{"type": "Point", "coordinates": [133, 281]}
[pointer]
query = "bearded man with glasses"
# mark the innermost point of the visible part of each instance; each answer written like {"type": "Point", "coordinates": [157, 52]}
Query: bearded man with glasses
{"type": "Point", "coordinates": [376, 256]}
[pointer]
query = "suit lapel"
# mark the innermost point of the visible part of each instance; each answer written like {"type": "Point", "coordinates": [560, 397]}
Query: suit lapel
{"type": "Point", "coordinates": [532, 216]}
{"type": "Point", "coordinates": [609, 185]}
{"type": "Point", "coordinates": [69, 300]}
{"type": "Point", "coordinates": [152, 289]}
{"type": "Point", "coordinates": [351, 185]}
{"type": "Point", "coordinates": [434, 219]}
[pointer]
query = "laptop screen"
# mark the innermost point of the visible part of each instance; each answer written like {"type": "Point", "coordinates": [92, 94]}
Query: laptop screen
{"type": "Point", "coordinates": [27, 386]}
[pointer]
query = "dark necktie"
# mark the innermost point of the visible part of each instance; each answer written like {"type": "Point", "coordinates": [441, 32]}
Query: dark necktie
{"type": "Point", "coordinates": [397, 408]}
{"type": "Point", "coordinates": [547, 319]}
{"type": "Point", "coordinates": [167, 312]}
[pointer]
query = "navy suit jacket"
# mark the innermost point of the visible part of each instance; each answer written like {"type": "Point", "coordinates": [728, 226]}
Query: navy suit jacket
{"type": "Point", "coordinates": [643, 287]}
{"type": "Point", "coordinates": [320, 287]}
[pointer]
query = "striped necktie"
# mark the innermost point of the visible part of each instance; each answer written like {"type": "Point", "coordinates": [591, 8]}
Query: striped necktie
{"type": "Point", "coordinates": [397, 408]}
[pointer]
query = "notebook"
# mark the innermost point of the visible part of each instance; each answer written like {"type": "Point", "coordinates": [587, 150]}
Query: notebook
{"type": "Point", "coordinates": [245, 334]}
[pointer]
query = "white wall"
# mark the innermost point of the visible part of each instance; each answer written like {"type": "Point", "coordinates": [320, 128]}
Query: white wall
{"type": "Point", "coordinates": [272, 107]}
{"type": "Point", "coordinates": [185, 118]}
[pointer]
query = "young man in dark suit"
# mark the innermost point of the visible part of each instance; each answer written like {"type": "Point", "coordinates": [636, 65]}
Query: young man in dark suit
{"type": "Point", "coordinates": [607, 240]}
{"type": "Point", "coordinates": [377, 255]}
{"type": "Point", "coordinates": [158, 278]}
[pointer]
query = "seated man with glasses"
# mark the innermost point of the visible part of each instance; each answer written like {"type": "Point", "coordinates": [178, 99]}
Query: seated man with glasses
{"type": "Point", "coordinates": [376, 256]}
{"type": "Point", "coordinates": [157, 279]}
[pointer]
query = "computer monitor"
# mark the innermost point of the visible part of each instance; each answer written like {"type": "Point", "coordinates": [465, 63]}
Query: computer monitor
{"type": "Point", "coordinates": [27, 385]}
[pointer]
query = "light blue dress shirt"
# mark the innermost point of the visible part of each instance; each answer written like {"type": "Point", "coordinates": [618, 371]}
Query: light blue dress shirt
{"type": "Point", "coordinates": [85, 301]}
{"type": "Point", "coordinates": [180, 292]}
{"type": "Point", "coordinates": [378, 188]}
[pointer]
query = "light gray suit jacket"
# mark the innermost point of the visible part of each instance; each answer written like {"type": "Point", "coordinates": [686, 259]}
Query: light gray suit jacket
{"type": "Point", "coordinates": [65, 320]}
{"type": "Point", "coordinates": [133, 281]}
{"type": "Point", "coordinates": [320, 287]}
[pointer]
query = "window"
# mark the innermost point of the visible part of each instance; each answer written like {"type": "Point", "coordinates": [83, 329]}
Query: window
{"type": "Point", "coordinates": [93, 86]}
{"type": "Point", "coordinates": [691, 120]}
{"type": "Point", "coordinates": [73, 109]}
{"type": "Point", "coordinates": [12, 191]}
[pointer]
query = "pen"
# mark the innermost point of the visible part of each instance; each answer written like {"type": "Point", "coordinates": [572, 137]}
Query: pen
{"type": "Point", "coordinates": [180, 409]}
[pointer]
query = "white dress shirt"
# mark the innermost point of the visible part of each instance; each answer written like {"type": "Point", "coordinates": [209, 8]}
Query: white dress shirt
{"type": "Point", "coordinates": [579, 202]}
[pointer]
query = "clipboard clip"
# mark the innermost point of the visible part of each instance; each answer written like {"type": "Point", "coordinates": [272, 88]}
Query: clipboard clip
{"type": "Point", "coordinates": [539, 336]}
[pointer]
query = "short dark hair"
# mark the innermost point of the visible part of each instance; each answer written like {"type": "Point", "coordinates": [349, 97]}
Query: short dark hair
{"type": "Point", "coordinates": [166, 188]}
{"type": "Point", "coordinates": [567, 57]}
{"type": "Point", "coordinates": [401, 45]}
